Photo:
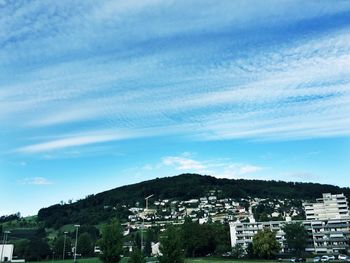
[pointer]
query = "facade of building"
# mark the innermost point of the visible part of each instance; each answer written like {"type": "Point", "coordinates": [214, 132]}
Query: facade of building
{"type": "Point", "coordinates": [243, 233]}
{"type": "Point", "coordinates": [328, 207]}
{"type": "Point", "coordinates": [327, 224]}
{"type": "Point", "coordinates": [6, 252]}
{"type": "Point", "coordinates": [324, 236]}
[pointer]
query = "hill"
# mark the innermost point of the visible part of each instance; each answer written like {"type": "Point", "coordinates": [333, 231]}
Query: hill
{"type": "Point", "coordinates": [98, 208]}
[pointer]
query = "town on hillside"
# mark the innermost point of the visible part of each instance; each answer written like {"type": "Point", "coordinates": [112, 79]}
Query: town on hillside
{"type": "Point", "coordinates": [326, 221]}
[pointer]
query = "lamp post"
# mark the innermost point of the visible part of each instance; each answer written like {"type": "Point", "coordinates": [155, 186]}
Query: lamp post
{"type": "Point", "coordinates": [4, 241]}
{"type": "Point", "coordinates": [143, 221]}
{"type": "Point", "coordinates": [64, 245]}
{"type": "Point", "coordinates": [76, 242]}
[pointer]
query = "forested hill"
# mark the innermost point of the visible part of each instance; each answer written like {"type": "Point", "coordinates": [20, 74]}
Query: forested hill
{"type": "Point", "coordinates": [100, 207]}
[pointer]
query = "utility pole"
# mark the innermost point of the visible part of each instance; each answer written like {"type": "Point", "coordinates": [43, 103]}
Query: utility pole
{"type": "Point", "coordinates": [76, 243]}
{"type": "Point", "coordinates": [64, 245]}
{"type": "Point", "coordinates": [143, 222]}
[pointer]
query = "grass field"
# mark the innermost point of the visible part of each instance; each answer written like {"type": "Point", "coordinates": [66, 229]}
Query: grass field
{"type": "Point", "coordinates": [195, 260]}
{"type": "Point", "coordinates": [219, 260]}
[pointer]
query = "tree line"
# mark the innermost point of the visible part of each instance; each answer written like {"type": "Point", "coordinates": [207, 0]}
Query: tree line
{"type": "Point", "coordinates": [194, 240]}
{"type": "Point", "coordinates": [190, 239]}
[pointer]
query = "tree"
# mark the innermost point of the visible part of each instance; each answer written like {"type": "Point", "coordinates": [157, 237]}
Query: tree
{"type": "Point", "coordinates": [296, 237]}
{"type": "Point", "coordinates": [138, 238]}
{"type": "Point", "coordinates": [171, 246]}
{"type": "Point", "coordinates": [237, 251]}
{"type": "Point", "coordinates": [91, 230]}
{"type": "Point", "coordinates": [111, 242]}
{"type": "Point", "coordinates": [59, 245]}
{"type": "Point", "coordinates": [190, 231]}
{"type": "Point", "coordinates": [250, 251]}
{"type": "Point", "coordinates": [37, 249]}
{"type": "Point", "coordinates": [21, 246]}
{"type": "Point", "coordinates": [136, 256]}
{"type": "Point", "coordinates": [221, 237]}
{"type": "Point", "coordinates": [85, 245]}
{"type": "Point", "coordinates": [151, 236]}
{"type": "Point", "coordinates": [265, 244]}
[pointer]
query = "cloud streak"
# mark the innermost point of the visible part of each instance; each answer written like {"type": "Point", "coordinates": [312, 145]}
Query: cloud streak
{"type": "Point", "coordinates": [223, 72]}
{"type": "Point", "coordinates": [35, 181]}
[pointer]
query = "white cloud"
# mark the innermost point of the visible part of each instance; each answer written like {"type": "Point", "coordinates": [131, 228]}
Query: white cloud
{"type": "Point", "coordinates": [247, 169]}
{"type": "Point", "coordinates": [35, 181]}
{"type": "Point", "coordinates": [68, 142]}
{"type": "Point", "coordinates": [183, 163]}
{"type": "Point", "coordinates": [101, 71]}
{"type": "Point", "coordinates": [222, 168]}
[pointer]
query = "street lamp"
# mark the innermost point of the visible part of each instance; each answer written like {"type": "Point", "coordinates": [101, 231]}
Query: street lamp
{"type": "Point", "coordinates": [4, 241]}
{"type": "Point", "coordinates": [143, 222]}
{"type": "Point", "coordinates": [76, 242]}
{"type": "Point", "coordinates": [64, 245]}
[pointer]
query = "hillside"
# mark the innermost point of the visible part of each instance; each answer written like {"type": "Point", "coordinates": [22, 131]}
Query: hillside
{"type": "Point", "coordinates": [116, 202]}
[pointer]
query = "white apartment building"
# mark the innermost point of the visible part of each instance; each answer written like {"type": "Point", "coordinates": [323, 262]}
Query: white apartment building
{"type": "Point", "coordinates": [325, 236]}
{"type": "Point", "coordinates": [328, 207]}
{"type": "Point", "coordinates": [327, 223]}
{"type": "Point", "coordinates": [242, 233]}
{"type": "Point", "coordinates": [6, 252]}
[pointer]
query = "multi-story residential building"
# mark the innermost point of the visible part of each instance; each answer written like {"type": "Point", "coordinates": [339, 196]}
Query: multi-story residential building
{"type": "Point", "coordinates": [328, 207]}
{"type": "Point", "coordinates": [325, 236]}
{"type": "Point", "coordinates": [328, 236]}
{"type": "Point", "coordinates": [242, 233]}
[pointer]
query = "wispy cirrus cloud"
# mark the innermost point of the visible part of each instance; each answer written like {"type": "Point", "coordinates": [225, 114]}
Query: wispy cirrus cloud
{"type": "Point", "coordinates": [35, 181]}
{"type": "Point", "coordinates": [96, 66]}
{"type": "Point", "coordinates": [68, 142]}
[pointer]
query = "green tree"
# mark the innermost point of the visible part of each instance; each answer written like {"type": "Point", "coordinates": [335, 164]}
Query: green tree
{"type": "Point", "coordinates": [138, 238]}
{"type": "Point", "coordinates": [37, 249]}
{"type": "Point", "coordinates": [250, 251]}
{"type": "Point", "coordinates": [85, 245]}
{"type": "Point", "coordinates": [237, 251]}
{"type": "Point", "coordinates": [191, 241]}
{"type": "Point", "coordinates": [296, 237]}
{"type": "Point", "coordinates": [151, 236]}
{"type": "Point", "coordinates": [136, 256]}
{"type": "Point", "coordinates": [197, 239]}
{"type": "Point", "coordinates": [21, 246]}
{"type": "Point", "coordinates": [265, 244]}
{"type": "Point", "coordinates": [111, 242]}
{"type": "Point", "coordinates": [58, 246]}
{"type": "Point", "coordinates": [92, 230]}
{"type": "Point", "coordinates": [221, 237]}
{"type": "Point", "coordinates": [171, 246]}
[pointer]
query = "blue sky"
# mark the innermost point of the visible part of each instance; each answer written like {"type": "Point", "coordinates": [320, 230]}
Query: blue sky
{"type": "Point", "coordinates": [98, 94]}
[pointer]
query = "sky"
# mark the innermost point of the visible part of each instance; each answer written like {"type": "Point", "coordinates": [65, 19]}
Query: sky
{"type": "Point", "coordinates": [99, 94]}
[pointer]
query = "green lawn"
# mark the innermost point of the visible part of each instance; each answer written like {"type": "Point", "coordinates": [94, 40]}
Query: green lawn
{"type": "Point", "coordinates": [195, 260]}
{"type": "Point", "coordinates": [219, 260]}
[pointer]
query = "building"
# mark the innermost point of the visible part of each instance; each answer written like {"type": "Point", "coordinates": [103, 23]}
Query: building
{"type": "Point", "coordinates": [156, 249]}
{"type": "Point", "coordinates": [328, 207]}
{"type": "Point", "coordinates": [242, 233]}
{"type": "Point", "coordinates": [328, 236]}
{"type": "Point", "coordinates": [325, 236]}
{"type": "Point", "coordinates": [6, 252]}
